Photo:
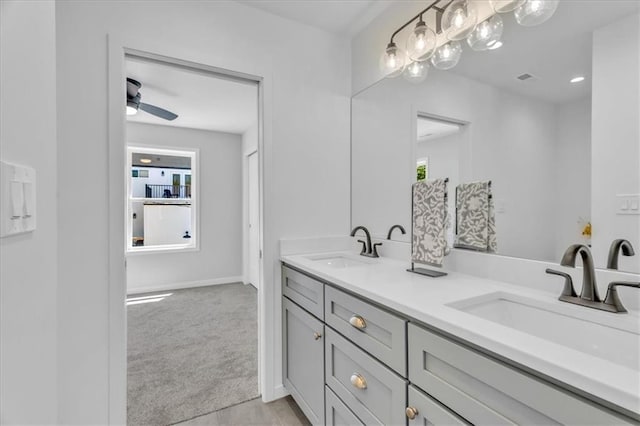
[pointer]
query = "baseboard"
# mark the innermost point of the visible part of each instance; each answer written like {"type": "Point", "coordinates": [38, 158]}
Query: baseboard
{"type": "Point", "coordinates": [184, 284]}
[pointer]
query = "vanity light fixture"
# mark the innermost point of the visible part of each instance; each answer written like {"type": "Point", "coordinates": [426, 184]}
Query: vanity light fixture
{"type": "Point", "coordinates": [447, 56]}
{"type": "Point", "coordinates": [421, 43]}
{"type": "Point", "coordinates": [504, 6]}
{"type": "Point", "coordinates": [456, 20]}
{"type": "Point", "coordinates": [459, 19]}
{"type": "Point", "coordinates": [416, 72]}
{"type": "Point", "coordinates": [535, 12]}
{"type": "Point", "coordinates": [486, 34]}
{"type": "Point", "coordinates": [145, 160]}
{"type": "Point", "coordinates": [577, 79]}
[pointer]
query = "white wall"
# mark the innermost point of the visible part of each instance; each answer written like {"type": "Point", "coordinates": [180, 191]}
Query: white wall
{"type": "Point", "coordinates": [615, 150]}
{"type": "Point", "coordinates": [306, 161]}
{"type": "Point", "coordinates": [572, 174]}
{"type": "Point", "coordinates": [220, 209]}
{"type": "Point", "coordinates": [28, 263]}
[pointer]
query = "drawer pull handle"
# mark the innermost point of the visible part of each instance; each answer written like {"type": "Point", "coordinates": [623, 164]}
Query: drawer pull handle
{"type": "Point", "coordinates": [358, 322]}
{"type": "Point", "coordinates": [411, 413]}
{"type": "Point", "coordinates": [316, 335]}
{"type": "Point", "coordinates": [358, 381]}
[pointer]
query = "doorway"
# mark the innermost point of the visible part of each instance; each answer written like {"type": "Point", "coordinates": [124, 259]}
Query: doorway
{"type": "Point", "coordinates": [192, 324]}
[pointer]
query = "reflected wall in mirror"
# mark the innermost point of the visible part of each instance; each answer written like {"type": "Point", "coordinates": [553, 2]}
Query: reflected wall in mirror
{"type": "Point", "coordinates": [161, 206]}
{"type": "Point", "coordinates": [558, 153]}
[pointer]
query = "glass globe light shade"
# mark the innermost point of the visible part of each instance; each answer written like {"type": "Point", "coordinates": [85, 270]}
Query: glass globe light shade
{"type": "Point", "coordinates": [535, 12]}
{"type": "Point", "coordinates": [459, 19]}
{"type": "Point", "coordinates": [421, 43]}
{"type": "Point", "coordinates": [392, 60]}
{"type": "Point", "coordinates": [504, 6]}
{"type": "Point", "coordinates": [447, 56]}
{"type": "Point", "coordinates": [416, 72]}
{"type": "Point", "coordinates": [486, 33]}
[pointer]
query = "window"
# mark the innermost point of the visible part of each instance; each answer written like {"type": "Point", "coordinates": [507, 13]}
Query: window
{"type": "Point", "coordinates": [162, 199]}
{"type": "Point", "coordinates": [422, 169]}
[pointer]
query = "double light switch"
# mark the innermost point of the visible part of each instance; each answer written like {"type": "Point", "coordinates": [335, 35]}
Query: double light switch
{"type": "Point", "coordinates": [18, 208]}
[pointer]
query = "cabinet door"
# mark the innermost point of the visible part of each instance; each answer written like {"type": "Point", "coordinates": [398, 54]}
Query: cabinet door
{"type": "Point", "coordinates": [337, 414]}
{"type": "Point", "coordinates": [424, 410]}
{"type": "Point", "coordinates": [303, 360]}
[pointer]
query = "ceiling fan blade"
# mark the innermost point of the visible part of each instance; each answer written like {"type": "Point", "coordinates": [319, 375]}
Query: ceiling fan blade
{"type": "Point", "coordinates": [158, 112]}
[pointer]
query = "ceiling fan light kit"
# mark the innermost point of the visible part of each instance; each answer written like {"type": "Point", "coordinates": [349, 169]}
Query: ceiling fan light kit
{"type": "Point", "coordinates": [134, 103]}
{"type": "Point", "coordinates": [456, 20]}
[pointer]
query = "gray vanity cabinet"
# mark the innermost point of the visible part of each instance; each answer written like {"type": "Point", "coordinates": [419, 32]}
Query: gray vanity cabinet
{"type": "Point", "coordinates": [337, 414]}
{"type": "Point", "coordinates": [369, 388]}
{"type": "Point", "coordinates": [424, 410]}
{"type": "Point", "coordinates": [303, 360]}
{"type": "Point", "coordinates": [485, 391]}
{"type": "Point", "coordinates": [354, 362]}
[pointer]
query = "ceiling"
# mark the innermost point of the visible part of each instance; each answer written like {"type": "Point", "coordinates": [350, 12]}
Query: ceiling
{"type": "Point", "coordinates": [345, 17]}
{"type": "Point", "coordinates": [201, 100]}
{"type": "Point", "coordinates": [429, 129]}
{"type": "Point", "coordinates": [553, 52]}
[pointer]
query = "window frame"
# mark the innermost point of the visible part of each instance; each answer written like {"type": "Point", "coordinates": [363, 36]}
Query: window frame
{"type": "Point", "coordinates": [194, 241]}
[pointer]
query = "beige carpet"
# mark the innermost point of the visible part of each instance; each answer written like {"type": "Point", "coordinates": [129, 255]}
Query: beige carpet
{"type": "Point", "coordinates": [192, 353]}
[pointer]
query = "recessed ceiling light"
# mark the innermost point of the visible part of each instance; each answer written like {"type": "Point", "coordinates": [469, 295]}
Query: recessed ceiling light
{"type": "Point", "coordinates": [145, 160]}
{"type": "Point", "coordinates": [496, 45]}
{"type": "Point", "coordinates": [577, 79]}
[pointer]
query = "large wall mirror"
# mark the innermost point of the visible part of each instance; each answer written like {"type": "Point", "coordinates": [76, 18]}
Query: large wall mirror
{"type": "Point", "coordinates": [563, 157]}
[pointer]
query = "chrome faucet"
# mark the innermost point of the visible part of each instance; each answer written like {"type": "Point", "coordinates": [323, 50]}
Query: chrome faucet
{"type": "Point", "coordinates": [400, 227]}
{"type": "Point", "coordinates": [618, 246]}
{"type": "Point", "coordinates": [589, 288]}
{"type": "Point", "coordinates": [589, 295]}
{"type": "Point", "coordinates": [368, 249]}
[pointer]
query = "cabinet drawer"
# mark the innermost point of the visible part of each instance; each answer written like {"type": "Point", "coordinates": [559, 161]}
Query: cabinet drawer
{"type": "Point", "coordinates": [303, 360]}
{"type": "Point", "coordinates": [485, 391]}
{"type": "Point", "coordinates": [381, 333]}
{"type": "Point", "coordinates": [337, 414]}
{"type": "Point", "coordinates": [370, 389]}
{"type": "Point", "coordinates": [303, 290]}
{"type": "Point", "coordinates": [428, 411]}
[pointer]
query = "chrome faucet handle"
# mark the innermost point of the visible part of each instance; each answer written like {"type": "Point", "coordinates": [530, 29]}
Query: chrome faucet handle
{"type": "Point", "coordinates": [568, 289]}
{"type": "Point", "coordinates": [612, 297]}
{"type": "Point", "coordinates": [364, 247]}
{"type": "Point", "coordinates": [374, 252]}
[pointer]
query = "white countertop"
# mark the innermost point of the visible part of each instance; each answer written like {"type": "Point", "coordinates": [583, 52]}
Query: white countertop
{"type": "Point", "coordinates": [425, 299]}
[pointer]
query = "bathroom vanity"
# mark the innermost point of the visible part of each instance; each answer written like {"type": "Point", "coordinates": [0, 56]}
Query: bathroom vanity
{"type": "Point", "coordinates": [365, 342]}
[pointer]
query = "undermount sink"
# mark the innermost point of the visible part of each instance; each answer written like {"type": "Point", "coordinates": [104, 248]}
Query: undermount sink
{"type": "Point", "coordinates": [339, 261]}
{"type": "Point", "coordinates": [613, 337]}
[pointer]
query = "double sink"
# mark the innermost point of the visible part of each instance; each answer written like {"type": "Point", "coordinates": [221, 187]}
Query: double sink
{"type": "Point", "coordinates": [607, 336]}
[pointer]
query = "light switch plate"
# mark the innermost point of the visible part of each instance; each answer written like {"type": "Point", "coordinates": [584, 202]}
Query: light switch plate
{"type": "Point", "coordinates": [17, 199]}
{"type": "Point", "coordinates": [628, 204]}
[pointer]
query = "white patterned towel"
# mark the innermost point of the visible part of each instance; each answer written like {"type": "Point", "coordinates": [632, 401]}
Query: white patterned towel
{"type": "Point", "coordinates": [429, 222]}
{"type": "Point", "coordinates": [475, 217]}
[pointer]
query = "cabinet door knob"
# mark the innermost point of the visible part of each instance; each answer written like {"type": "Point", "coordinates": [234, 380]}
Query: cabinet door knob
{"type": "Point", "coordinates": [358, 381]}
{"type": "Point", "coordinates": [358, 322]}
{"type": "Point", "coordinates": [316, 335]}
{"type": "Point", "coordinates": [411, 413]}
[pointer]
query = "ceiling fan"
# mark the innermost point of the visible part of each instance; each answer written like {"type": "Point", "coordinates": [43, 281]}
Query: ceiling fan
{"type": "Point", "coordinates": [134, 103]}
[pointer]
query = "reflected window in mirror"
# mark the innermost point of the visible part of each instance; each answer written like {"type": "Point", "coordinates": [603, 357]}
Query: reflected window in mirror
{"type": "Point", "coordinates": [162, 199]}
{"type": "Point", "coordinates": [422, 169]}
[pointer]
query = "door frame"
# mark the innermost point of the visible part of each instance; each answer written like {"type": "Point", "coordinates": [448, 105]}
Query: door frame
{"type": "Point", "coordinates": [118, 50]}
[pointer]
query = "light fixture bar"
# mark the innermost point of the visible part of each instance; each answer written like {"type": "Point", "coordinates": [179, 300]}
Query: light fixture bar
{"type": "Point", "coordinates": [432, 6]}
